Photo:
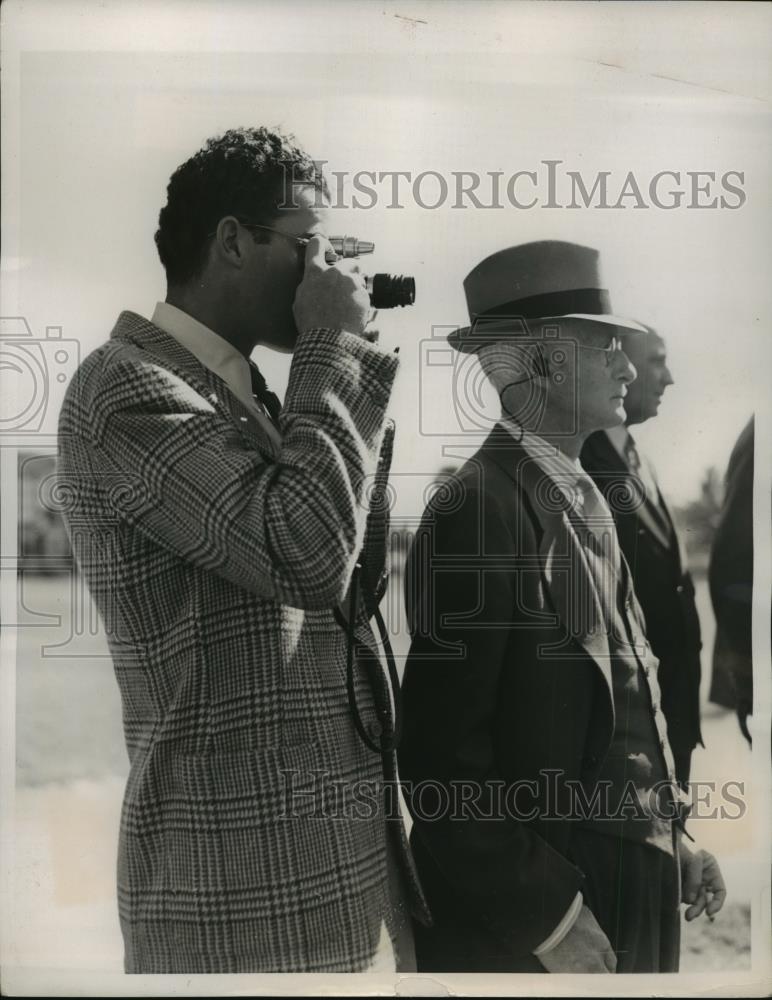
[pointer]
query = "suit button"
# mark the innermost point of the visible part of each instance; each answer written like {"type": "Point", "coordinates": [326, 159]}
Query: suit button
{"type": "Point", "coordinates": [641, 531]}
{"type": "Point", "coordinates": [680, 588]}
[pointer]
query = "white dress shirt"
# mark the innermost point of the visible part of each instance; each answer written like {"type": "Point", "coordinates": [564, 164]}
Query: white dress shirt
{"type": "Point", "coordinates": [578, 488]}
{"type": "Point", "coordinates": [217, 355]}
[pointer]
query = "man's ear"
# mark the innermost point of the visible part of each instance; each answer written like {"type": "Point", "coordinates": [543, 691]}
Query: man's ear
{"type": "Point", "coordinates": [229, 241]}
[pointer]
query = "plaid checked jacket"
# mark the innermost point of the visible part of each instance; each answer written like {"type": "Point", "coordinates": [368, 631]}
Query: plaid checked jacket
{"type": "Point", "coordinates": [252, 835]}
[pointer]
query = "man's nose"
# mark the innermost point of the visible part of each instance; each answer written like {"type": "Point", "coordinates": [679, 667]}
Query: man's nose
{"type": "Point", "coordinates": [625, 370]}
{"type": "Point", "coordinates": [667, 378]}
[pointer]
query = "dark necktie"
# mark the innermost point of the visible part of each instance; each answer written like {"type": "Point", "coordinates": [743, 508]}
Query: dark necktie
{"type": "Point", "coordinates": [652, 495]}
{"type": "Point", "coordinates": [269, 400]}
{"type": "Point", "coordinates": [631, 455]}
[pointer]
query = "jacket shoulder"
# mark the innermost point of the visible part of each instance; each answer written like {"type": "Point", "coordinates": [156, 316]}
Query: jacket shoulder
{"type": "Point", "coordinates": [597, 453]}
{"type": "Point", "coordinates": [478, 501]}
{"type": "Point", "coordinates": [118, 375]}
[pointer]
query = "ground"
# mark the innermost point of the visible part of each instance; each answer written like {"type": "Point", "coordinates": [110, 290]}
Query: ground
{"type": "Point", "coordinates": [71, 767]}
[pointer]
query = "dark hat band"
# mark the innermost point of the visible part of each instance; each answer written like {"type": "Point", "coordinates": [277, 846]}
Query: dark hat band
{"type": "Point", "coordinates": [594, 301]}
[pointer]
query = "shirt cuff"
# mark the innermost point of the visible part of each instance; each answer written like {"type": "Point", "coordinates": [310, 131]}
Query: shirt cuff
{"type": "Point", "coordinates": [563, 927]}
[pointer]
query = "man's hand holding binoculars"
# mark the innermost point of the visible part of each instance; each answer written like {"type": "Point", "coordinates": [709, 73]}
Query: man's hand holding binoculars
{"type": "Point", "coordinates": [334, 296]}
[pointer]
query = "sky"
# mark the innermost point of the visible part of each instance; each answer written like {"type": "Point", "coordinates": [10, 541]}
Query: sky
{"type": "Point", "coordinates": [106, 102]}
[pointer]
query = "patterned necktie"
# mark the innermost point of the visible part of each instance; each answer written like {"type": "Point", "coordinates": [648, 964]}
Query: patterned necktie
{"type": "Point", "coordinates": [594, 526]}
{"type": "Point", "coordinates": [598, 519]}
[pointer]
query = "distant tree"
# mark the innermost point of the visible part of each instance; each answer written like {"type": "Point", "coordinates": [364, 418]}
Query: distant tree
{"type": "Point", "coordinates": [698, 519]}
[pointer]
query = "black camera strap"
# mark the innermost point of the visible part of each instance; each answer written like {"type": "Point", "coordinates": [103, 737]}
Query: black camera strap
{"type": "Point", "coordinates": [385, 691]}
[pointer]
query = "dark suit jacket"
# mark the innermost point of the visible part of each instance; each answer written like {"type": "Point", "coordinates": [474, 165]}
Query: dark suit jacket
{"type": "Point", "coordinates": [665, 591]}
{"type": "Point", "coordinates": [731, 576]}
{"type": "Point", "coordinates": [501, 683]}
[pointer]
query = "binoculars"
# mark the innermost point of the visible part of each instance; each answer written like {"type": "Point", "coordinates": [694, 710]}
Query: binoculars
{"type": "Point", "coordinates": [386, 290]}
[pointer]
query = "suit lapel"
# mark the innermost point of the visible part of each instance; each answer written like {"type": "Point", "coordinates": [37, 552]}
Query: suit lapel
{"type": "Point", "coordinates": [243, 417]}
{"type": "Point", "coordinates": [601, 455]}
{"type": "Point", "coordinates": [653, 523]}
{"type": "Point", "coordinates": [567, 576]}
{"type": "Point", "coordinates": [167, 352]}
{"type": "Point", "coordinates": [674, 540]}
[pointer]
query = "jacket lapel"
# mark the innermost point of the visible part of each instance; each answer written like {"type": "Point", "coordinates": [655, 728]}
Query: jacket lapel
{"type": "Point", "coordinates": [674, 540]}
{"type": "Point", "coordinates": [601, 455]}
{"type": "Point", "coordinates": [653, 524]}
{"type": "Point", "coordinates": [566, 573]}
{"type": "Point", "coordinates": [167, 352]}
{"type": "Point", "coordinates": [245, 418]}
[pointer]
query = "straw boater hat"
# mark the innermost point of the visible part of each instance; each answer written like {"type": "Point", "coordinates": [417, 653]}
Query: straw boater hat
{"type": "Point", "coordinates": [545, 280]}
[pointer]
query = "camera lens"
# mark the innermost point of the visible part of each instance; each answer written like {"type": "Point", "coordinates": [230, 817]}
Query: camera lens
{"type": "Point", "coordinates": [390, 290]}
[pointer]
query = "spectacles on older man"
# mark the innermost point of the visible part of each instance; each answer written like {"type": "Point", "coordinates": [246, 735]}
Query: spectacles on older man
{"type": "Point", "coordinates": [614, 345]}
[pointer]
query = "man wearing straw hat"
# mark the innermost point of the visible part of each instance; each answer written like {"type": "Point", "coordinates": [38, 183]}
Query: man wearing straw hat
{"type": "Point", "coordinates": [548, 825]}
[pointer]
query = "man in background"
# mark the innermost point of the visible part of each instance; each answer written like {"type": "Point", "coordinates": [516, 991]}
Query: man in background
{"type": "Point", "coordinates": [647, 536]}
{"type": "Point", "coordinates": [731, 578]}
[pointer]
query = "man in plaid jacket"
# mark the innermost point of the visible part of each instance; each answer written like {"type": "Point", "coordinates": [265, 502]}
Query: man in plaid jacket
{"type": "Point", "coordinates": [217, 535]}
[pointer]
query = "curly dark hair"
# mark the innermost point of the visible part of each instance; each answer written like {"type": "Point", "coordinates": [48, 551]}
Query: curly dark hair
{"type": "Point", "coordinates": [244, 173]}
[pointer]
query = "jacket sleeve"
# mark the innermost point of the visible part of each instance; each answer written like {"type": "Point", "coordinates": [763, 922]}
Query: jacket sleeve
{"type": "Point", "coordinates": [288, 530]}
{"type": "Point", "coordinates": [462, 600]}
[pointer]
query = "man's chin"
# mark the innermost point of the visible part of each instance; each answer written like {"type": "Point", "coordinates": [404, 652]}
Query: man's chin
{"type": "Point", "coordinates": [619, 416]}
{"type": "Point", "coordinates": [613, 418]}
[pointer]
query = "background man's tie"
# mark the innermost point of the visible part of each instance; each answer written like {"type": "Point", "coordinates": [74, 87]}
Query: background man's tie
{"type": "Point", "coordinates": [645, 473]}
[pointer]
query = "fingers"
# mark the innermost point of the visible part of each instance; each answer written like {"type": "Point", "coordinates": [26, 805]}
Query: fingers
{"type": "Point", "coordinates": [605, 956]}
{"type": "Point", "coordinates": [593, 963]}
{"type": "Point", "coordinates": [714, 882]}
{"type": "Point", "coordinates": [317, 248]}
{"type": "Point", "coordinates": [710, 893]}
{"type": "Point", "coordinates": [698, 905]}
{"type": "Point", "coordinates": [352, 269]}
{"type": "Point", "coordinates": [716, 902]}
{"type": "Point", "coordinates": [692, 877]}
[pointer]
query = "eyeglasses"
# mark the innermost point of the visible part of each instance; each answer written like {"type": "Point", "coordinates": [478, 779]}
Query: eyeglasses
{"type": "Point", "coordinates": [614, 345]}
{"type": "Point", "coordinates": [300, 240]}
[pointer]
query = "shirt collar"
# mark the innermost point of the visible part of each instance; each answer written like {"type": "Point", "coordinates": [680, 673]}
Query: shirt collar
{"type": "Point", "coordinates": [618, 437]}
{"type": "Point", "coordinates": [576, 486]}
{"type": "Point", "coordinates": [214, 352]}
{"type": "Point", "coordinates": [547, 456]}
